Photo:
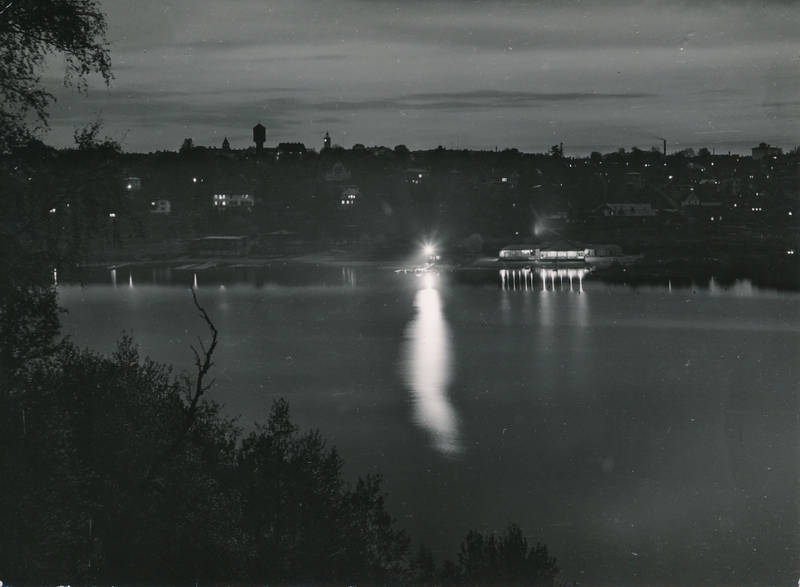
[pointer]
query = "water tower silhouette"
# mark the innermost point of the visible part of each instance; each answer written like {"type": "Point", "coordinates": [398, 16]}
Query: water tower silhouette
{"type": "Point", "coordinates": [259, 136]}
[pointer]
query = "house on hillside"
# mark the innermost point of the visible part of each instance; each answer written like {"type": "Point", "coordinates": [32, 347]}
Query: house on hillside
{"type": "Point", "coordinates": [161, 207]}
{"type": "Point", "coordinates": [132, 184]}
{"type": "Point", "coordinates": [290, 151]}
{"type": "Point", "coordinates": [691, 200]}
{"type": "Point", "coordinates": [505, 180]}
{"type": "Point", "coordinates": [228, 199]}
{"type": "Point", "coordinates": [350, 197]}
{"type": "Point", "coordinates": [416, 176]}
{"type": "Point", "coordinates": [763, 150]}
{"type": "Point", "coordinates": [628, 210]}
{"type": "Point", "coordinates": [338, 173]}
{"type": "Point", "coordinates": [634, 180]}
{"type": "Point", "coordinates": [384, 152]}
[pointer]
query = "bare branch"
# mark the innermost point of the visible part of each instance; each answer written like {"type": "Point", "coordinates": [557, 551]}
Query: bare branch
{"type": "Point", "coordinates": [194, 390]}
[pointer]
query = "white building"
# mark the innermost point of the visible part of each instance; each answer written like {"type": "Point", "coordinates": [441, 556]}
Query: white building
{"type": "Point", "coordinates": [161, 207]}
{"type": "Point", "coordinates": [224, 200]}
{"type": "Point", "coordinates": [350, 196]}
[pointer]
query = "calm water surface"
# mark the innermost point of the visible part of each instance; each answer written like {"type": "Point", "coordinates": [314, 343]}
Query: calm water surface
{"type": "Point", "coordinates": [644, 434]}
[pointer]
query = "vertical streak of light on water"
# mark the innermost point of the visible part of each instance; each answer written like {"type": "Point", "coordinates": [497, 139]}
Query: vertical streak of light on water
{"type": "Point", "coordinates": [427, 369]}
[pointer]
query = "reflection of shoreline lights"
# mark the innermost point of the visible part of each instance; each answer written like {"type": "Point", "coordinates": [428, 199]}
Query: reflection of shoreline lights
{"type": "Point", "coordinates": [348, 276]}
{"type": "Point", "coordinates": [427, 368]}
{"type": "Point", "coordinates": [543, 279]}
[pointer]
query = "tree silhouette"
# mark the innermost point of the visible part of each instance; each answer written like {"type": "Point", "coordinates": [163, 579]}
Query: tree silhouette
{"type": "Point", "coordinates": [301, 519]}
{"type": "Point", "coordinates": [30, 30]}
{"type": "Point", "coordinates": [488, 559]}
{"type": "Point", "coordinates": [422, 567]}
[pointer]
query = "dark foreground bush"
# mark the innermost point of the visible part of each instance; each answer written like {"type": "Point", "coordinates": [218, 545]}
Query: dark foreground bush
{"type": "Point", "coordinates": [110, 475]}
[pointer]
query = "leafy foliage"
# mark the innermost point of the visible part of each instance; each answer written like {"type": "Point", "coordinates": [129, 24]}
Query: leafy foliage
{"type": "Point", "coordinates": [30, 31]}
{"type": "Point", "coordinates": [52, 212]}
{"type": "Point", "coordinates": [81, 433]}
{"type": "Point", "coordinates": [97, 488]}
{"type": "Point", "coordinates": [302, 520]}
{"type": "Point", "coordinates": [486, 558]}
{"type": "Point", "coordinates": [422, 568]}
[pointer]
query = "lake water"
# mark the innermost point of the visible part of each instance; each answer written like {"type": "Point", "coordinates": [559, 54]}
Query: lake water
{"type": "Point", "coordinates": [646, 435]}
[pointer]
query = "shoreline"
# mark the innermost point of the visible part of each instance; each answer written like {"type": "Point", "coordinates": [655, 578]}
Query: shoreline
{"type": "Point", "coordinates": [774, 271]}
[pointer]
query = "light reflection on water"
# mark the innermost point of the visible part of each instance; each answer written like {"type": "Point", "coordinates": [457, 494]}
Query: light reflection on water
{"type": "Point", "coordinates": [541, 278]}
{"type": "Point", "coordinates": [349, 276]}
{"type": "Point", "coordinates": [427, 368]}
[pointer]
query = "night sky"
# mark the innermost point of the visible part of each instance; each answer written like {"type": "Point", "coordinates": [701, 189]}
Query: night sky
{"type": "Point", "coordinates": [462, 74]}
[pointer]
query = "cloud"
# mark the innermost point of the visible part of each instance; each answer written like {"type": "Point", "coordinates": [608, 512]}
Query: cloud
{"type": "Point", "coordinates": [406, 70]}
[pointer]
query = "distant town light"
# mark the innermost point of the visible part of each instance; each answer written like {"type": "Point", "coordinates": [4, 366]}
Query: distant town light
{"type": "Point", "coordinates": [112, 215]}
{"type": "Point", "coordinates": [194, 179]}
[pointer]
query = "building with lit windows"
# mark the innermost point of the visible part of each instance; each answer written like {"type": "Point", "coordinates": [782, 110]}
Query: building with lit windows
{"type": "Point", "coordinates": [518, 253]}
{"type": "Point", "coordinates": [226, 200]}
{"type": "Point", "coordinates": [161, 207]}
{"type": "Point", "coordinates": [416, 176]}
{"type": "Point", "coordinates": [350, 196]}
{"type": "Point", "coordinates": [132, 184]}
{"type": "Point", "coordinates": [562, 251]}
{"type": "Point", "coordinates": [638, 210]}
{"type": "Point", "coordinates": [763, 150]}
